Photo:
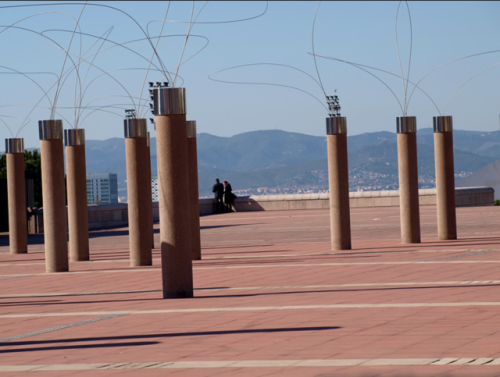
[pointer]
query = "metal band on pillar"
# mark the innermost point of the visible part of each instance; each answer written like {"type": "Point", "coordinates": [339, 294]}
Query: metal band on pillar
{"type": "Point", "coordinates": [134, 127]}
{"type": "Point", "coordinates": [194, 202]}
{"type": "Point", "coordinates": [191, 129]}
{"type": "Point", "coordinates": [151, 193]}
{"type": "Point", "coordinates": [336, 125]}
{"type": "Point", "coordinates": [139, 199]}
{"type": "Point", "coordinates": [74, 140]}
{"type": "Point", "coordinates": [14, 145]}
{"type": "Point", "coordinates": [54, 196]}
{"type": "Point", "coordinates": [408, 179]}
{"type": "Point", "coordinates": [16, 191]}
{"type": "Point", "coordinates": [445, 177]}
{"type": "Point", "coordinates": [74, 136]}
{"type": "Point", "coordinates": [173, 182]}
{"type": "Point", "coordinates": [338, 179]}
{"type": "Point", "coordinates": [50, 129]}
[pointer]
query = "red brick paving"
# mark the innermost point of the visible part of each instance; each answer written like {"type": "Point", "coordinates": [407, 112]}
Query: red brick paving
{"type": "Point", "coordinates": [278, 259]}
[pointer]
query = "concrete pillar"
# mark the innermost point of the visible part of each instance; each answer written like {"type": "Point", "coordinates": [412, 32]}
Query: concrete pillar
{"type": "Point", "coordinates": [138, 191]}
{"type": "Point", "coordinates": [338, 178]}
{"type": "Point", "coordinates": [54, 196]}
{"type": "Point", "coordinates": [173, 186]}
{"type": "Point", "coordinates": [151, 194]}
{"type": "Point", "coordinates": [194, 196]}
{"type": "Point", "coordinates": [16, 190]}
{"type": "Point", "coordinates": [76, 178]}
{"type": "Point", "coordinates": [408, 179]}
{"type": "Point", "coordinates": [445, 177]}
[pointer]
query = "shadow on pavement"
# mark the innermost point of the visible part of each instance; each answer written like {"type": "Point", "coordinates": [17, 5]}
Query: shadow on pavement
{"type": "Point", "coordinates": [153, 336]}
{"type": "Point", "coordinates": [83, 346]}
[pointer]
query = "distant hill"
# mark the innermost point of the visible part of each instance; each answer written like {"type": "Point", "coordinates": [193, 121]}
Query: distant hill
{"type": "Point", "coordinates": [279, 158]}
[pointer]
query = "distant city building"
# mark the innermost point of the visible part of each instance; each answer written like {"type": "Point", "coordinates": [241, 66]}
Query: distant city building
{"type": "Point", "coordinates": [102, 188]}
{"type": "Point", "coordinates": [154, 188]}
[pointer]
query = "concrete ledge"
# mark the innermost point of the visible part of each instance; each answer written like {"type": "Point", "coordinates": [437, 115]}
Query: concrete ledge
{"type": "Point", "coordinates": [465, 197]}
{"type": "Point", "coordinates": [116, 215]}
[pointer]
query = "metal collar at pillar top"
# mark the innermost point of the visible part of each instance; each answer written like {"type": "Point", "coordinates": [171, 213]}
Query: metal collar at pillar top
{"type": "Point", "coordinates": [14, 145]}
{"type": "Point", "coordinates": [50, 129]}
{"type": "Point", "coordinates": [135, 127]}
{"type": "Point", "coordinates": [74, 136]}
{"type": "Point", "coordinates": [169, 101]}
{"type": "Point", "coordinates": [406, 124]}
{"type": "Point", "coordinates": [443, 123]}
{"type": "Point", "coordinates": [191, 129]}
{"type": "Point", "coordinates": [336, 125]}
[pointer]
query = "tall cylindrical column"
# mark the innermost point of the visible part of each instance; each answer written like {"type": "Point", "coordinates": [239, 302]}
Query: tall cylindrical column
{"type": "Point", "coordinates": [338, 178]}
{"type": "Point", "coordinates": [408, 179]}
{"type": "Point", "coordinates": [194, 201]}
{"type": "Point", "coordinates": [151, 194]}
{"type": "Point", "coordinates": [54, 196]}
{"type": "Point", "coordinates": [138, 191]}
{"type": "Point", "coordinates": [76, 178]}
{"type": "Point", "coordinates": [16, 191]}
{"type": "Point", "coordinates": [173, 184]}
{"type": "Point", "coordinates": [445, 177]}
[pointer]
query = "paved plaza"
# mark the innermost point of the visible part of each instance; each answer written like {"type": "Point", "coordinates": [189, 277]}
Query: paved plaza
{"type": "Point", "coordinates": [271, 298]}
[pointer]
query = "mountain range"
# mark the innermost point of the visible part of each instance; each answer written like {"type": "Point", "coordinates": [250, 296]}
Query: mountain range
{"type": "Point", "coordinates": [281, 159]}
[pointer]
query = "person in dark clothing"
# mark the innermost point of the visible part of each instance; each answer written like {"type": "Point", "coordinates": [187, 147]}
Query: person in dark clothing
{"type": "Point", "coordinates": [218, 190]}
{"type": "Point", "coordinates": [228, 196]}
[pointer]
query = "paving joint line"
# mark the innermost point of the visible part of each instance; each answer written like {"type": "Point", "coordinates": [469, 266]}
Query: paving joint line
{"type": "Point", "coordinates": [310, 363]}
{"type": "Point", "coordinates": [262, 308]}
{"type": "Point", "coordinates": [5, 340]}
{"type": "Point", "coordinates": [461, 255]}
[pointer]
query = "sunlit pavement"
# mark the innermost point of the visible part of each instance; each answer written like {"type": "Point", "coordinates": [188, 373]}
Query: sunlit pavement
{"type": "Point", "coordinates": [272, 298]}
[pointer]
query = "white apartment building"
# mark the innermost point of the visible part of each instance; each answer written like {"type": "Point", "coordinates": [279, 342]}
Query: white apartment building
{"type": "Point", "coordinates": [154, 188]}
{"type": "Point", "coordinates": [102, 188]}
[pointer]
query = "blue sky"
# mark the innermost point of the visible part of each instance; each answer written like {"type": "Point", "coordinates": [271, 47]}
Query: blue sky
{"type": "Point", "coordinates": [358, 32]}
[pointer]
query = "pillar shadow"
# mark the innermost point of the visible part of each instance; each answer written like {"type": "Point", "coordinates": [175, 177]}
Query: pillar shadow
{"type": "Point", "coordinates": [155, 336]}
{"type": "Point", "coordinates": [84, 346]}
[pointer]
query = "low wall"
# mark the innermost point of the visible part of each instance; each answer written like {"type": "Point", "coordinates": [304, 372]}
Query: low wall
{"type": "Point", "coordinates": [116, 215]}
{"type": "Point", "coordinates": [465, 197]}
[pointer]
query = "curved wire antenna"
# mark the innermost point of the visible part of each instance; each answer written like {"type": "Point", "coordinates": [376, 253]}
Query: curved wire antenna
{"type": "Point", "coordinates": [219, 22]}
{"type": "Point", "coordinates": [451, 61]}
{"type": "Point", "coordinates": [461, 86]}
{"type": "Point", "coordinates": [6, 125]}
{"type": "Point", "coordinates": [102, 109]}
{"type": "Point", "coordinates": [371, 74]}
{"type": "Point", "coordinates": [34, 106]}
{"type": "Point", "coordinates": [272, 64]}
{"type": "Point", "coordinates": [93, 65]}
{"type": "Point", "coordinates": [191, 24]}
{"type": "Point", "coordinates": [380, 70]}
{"type": "Point", "coordinates": [116, 44]}
{"type": "Point", "coordinates": [66, 74]}
{"type": "Point", "coordinates": [260, 83]}
{"type": "Point", "coordinates": [156, 48]}
{"type": "Point", "coordinates": [185, 42]}
{"type": "Point", "coordinates": [405, 82]}
{"type": "Point", "coordinates": [26, 74]}
{"type": "Point", "coordinates": [52, 113]}
{"type": "Point", "coordinates": [50, 41]}
{"type": "Point", "coordinates": [122, 45]}
{"type": "Point", "coordinates": [314, 54]}
{"type": "Point", "coordinates": [7, 27]}
{"type": "Point", "coordinates": [91, 4]}
{"type": "Point", "coordinates": [80, 99]}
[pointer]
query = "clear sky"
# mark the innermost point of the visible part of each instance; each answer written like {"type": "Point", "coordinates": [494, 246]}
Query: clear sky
{"type": "Point", "coordinates": [358, 32]}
